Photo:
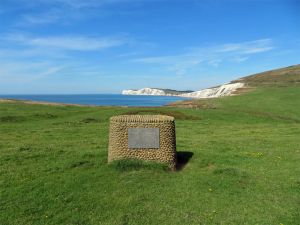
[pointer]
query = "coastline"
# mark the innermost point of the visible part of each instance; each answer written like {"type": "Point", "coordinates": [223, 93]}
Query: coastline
{"type": "Point", "coordinates": [32, 102]}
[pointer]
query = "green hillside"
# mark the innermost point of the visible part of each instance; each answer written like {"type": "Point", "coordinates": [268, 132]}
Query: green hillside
{"type": "Point", "coordinates": [239, 164]}
{"type": "Point", "coordinates": [279, 77]}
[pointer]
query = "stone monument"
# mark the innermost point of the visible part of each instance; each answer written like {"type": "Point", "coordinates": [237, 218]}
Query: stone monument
{"type": "Point", "coordinates": [143, 137]}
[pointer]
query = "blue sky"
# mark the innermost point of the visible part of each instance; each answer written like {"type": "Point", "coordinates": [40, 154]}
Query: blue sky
{"type": "Point", "coordinates": [104, 46]}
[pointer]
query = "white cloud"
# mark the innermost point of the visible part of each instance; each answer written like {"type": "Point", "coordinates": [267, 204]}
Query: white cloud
{"type": "Point", "coordinates": [50, 16]}
{"type": "Point", "coordinates": [240, 59]}
{"type": "Point", "coordinates": [41, 12]}
{"type": "Point", "coordinates": [78, 43]}
{"type": "Point", "coordinates": [75, 4]}
{"type": "Point", "coordinates": [25, 72]}
{"type": "Point", "coordinates": [212, 56]}
{"type": "Point", "coordinates": [25, 58]}
{"type": "Point", "coordinates": [87, 3]}
{"type": "Point", "coordinates": [250, 47]}
{"type": "Point", "coordinates": [51, 70]}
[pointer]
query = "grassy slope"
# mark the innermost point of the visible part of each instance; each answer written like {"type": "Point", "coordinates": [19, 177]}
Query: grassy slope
{"type": "Point", "coordinates": [244, 169]}
{"type": "Point", "coordinates": [288, 76]}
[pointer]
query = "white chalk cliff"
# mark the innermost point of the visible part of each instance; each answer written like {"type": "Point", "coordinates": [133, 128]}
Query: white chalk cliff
{"type": "Point", "coordinates": [144, 91]}
{"type": "Point", "coordinates": [223, 90]}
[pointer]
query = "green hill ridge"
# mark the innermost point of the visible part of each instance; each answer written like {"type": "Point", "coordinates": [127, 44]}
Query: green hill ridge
{"type": "Point", "coordinates": [279, 77]}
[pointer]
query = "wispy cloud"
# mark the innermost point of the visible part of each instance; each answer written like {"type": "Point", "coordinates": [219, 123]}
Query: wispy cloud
{"type": "Point", "coordinates": [213, 55]}
{"type": "Point", "coordinates": [250, 47]}
{"type": "Point", "coordinates": [25, 72]}
{"type": "Point", "coordinates": [25, 58]}
{"type": "Point", "coordinates": [62, 11]}
{"type": "Point", "coordinates": [78, 3]}
{"type": "Point", "coordinates": [47, 17]}
{"type": "Point", "coordinates": [78, 43]}
{"type": "Point", "coordinates": [92, 3]}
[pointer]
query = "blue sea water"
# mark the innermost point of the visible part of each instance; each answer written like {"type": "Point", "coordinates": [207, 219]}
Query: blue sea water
{"type": "Point", "coordinates": [100, 99]}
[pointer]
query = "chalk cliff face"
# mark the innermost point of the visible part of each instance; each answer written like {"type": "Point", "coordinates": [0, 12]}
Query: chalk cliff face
{"type": "Point", "coordinates": [144, 91]}
{"type": "Point", "coordinates": [223, 90]}
{"type": "Point", "coordinates": [155, 91]}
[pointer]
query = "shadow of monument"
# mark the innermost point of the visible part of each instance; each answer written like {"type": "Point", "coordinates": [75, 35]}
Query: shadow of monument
{"type": "Point", "coordinates": [183, 158]}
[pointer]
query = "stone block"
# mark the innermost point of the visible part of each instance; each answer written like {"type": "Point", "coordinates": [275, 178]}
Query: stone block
{"type": "Point", "coordinates": [143, 137]}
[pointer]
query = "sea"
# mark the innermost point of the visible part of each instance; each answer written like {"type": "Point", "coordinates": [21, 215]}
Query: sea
{"type": "Point", "coordinates": [100, 99]}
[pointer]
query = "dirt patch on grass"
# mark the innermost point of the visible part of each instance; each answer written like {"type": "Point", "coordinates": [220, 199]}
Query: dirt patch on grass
{"type": "Point", "coordinates": [193, 104]}
{"type": "Point", "coordinates": [175, 114]}
{"type": "Point", "coordinates": [243, 90]}
{"type": "Point", "coordinates": [42, 103]}
{"type": "Point", "coordinates": [6, 100]}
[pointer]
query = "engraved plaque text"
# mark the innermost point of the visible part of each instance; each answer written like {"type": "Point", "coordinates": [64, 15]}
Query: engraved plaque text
{"type": "Point", "coordinates": [143, 138]}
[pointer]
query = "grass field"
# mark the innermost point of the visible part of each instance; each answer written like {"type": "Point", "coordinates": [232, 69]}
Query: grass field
{"type": "Point", "coordinates": [240, 165]}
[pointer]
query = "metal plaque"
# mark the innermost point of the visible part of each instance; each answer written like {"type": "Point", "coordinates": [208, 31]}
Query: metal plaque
{"type": "Point", "coordinates": [143, 137]}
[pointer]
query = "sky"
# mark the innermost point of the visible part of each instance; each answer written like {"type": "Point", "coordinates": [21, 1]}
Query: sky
{"type": "Point", "coordinates": [105, 46]}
